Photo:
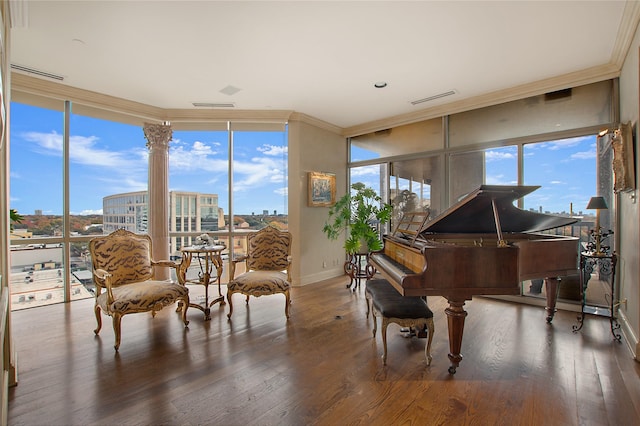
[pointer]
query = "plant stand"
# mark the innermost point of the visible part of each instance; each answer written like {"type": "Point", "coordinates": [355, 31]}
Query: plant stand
{"type": "Point", "coordinates": [357, 267]}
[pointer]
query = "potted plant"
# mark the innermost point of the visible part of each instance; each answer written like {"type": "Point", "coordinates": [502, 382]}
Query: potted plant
{"type": "Point", "coordinates": [357, 214]}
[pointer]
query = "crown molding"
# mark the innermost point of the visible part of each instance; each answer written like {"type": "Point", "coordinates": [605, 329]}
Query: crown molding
{"type": "Point", "coordinates": [138, 113]}
{"type": "Point", "coordinates": [49, 89]}
{"type": "Point", "coordinates": [626, 32]}
{"type": "Point", "coordinates": [304, 118]}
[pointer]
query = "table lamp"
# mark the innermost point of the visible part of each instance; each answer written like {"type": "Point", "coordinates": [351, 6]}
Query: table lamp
{"type": "Point", "coordinates": [597, 204]}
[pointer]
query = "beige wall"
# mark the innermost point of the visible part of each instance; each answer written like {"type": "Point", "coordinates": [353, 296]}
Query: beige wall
{"type": "Point", "coordinates": [629, 234]}
{"type": "Point", "coordinates": [319, 149]}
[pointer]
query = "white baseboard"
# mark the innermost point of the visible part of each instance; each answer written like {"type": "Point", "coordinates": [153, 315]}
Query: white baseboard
{"type": "Point", "coordinates": [630, 336]}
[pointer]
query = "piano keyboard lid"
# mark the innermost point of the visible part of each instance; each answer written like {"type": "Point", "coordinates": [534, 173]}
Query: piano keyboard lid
{"type": "Point", "coordinates": [473, 214]}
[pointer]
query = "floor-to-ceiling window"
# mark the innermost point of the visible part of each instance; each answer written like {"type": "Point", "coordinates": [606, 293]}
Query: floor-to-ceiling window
{"type": "Point", "coordinates": [38, 272]}
{"type": "Point", "coordinates": [74, 172]}
{"type": "Point", "coordinates": [63, 165]}
{"type": "Point", "coordinates": [547, 140]}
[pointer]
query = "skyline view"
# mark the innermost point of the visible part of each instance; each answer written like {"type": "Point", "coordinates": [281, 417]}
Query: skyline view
{"type": "Point", "coordinates": [108, 158]}
{"type": "Point", "coordinates": [565, 170]}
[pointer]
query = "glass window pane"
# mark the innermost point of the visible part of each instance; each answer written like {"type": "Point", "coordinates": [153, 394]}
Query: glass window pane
{"type": "Point", "coordinates": [198, 185]}
{"type": "Point", "coordinates": [36, 160]}
{"type": "Point", "coordinates": [416, 185]}
{"type": "Point", "coordinates": [260, 184]}
{"type": "Point", "coordinates": [492, 166]}
{"type": "Point", "coordinates": [566, 172]}
{"type": "Point", "coordinates": [408, 139]}
{"type": "Point", "coordinates": [38, 275]}
{"type": "Point", "coordinates": [376, 177]}
{"type": "Point", "coordinates": [108, 172]}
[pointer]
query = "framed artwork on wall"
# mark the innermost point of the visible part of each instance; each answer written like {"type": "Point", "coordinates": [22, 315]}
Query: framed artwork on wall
{"type": "Point", "coordinates": [322, 189]}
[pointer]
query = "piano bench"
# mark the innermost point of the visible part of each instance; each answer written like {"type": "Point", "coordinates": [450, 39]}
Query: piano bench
{"type": "Point", "coordinates": [406, 311]}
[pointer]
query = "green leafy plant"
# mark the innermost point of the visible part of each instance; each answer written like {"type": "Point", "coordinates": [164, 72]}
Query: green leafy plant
{"type": "Point", "coordinates": [15, 217]}
{"type": "Point", "coordinates": [357, 213]}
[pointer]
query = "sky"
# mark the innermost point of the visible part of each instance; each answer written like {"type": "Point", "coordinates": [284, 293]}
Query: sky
{"type": "Point", "coordinates": [109, 158]}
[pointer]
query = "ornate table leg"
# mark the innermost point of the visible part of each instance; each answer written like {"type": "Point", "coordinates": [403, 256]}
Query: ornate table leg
{"type": "Point", "coordinates": [350, 269]}
{"type": "Point", "coordinates": [216, 262]}
{"type": "Point", "coordinates": [356, 270]}
{"type": "Point", "coordinates": [586, 268]}
{"type": "Point", "coordinates": [613, 321]}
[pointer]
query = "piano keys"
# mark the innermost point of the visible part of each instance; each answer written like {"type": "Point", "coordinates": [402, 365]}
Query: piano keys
{"type": "Point", "coordinates": [482, 245]}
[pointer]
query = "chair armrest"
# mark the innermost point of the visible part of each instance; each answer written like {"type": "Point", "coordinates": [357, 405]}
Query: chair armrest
{"type": "Point", "coordinates": [232, 265]}
{"type": "Point", "coordinates": [103, 280]}
{"type": "Point", "coordinates": [239, 259]}
{"type": "Point", "coordinates": [180, 267]}
{"type": "Point", "coordinates": [165, 263]}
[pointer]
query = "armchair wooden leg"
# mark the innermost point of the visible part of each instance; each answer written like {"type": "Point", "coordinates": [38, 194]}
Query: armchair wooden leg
{"type": "Point", "coordinates": [185, 306]}
{"type": "Point", "coordinates": [287, 303]}
{"type": "Point", "coordinates": [96, 309]}
{"type": "Point", "coordinates": [116, 329]}
{"type": "Point", "coordinates": [229, 294]}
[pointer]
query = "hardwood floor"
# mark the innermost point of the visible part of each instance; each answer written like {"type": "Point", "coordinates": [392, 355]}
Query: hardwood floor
{"type": "Point", "coordinates": [321, 368]}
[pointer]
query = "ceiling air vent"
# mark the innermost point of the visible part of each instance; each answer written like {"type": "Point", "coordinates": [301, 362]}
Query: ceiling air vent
{"type": "Point", "coordinates": [36, 72]}
{"type": "Point", "coordinates": [434, 97]}
{"type": "Point", "coordinates": [214, 105]}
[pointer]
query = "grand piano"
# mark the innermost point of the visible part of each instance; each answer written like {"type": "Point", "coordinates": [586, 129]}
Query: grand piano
{"type": "Point", "coordinates": [482, 245]}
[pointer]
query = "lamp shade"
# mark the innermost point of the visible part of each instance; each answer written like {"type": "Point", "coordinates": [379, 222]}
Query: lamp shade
{"type": "Point", "coordinates": [597, 203]}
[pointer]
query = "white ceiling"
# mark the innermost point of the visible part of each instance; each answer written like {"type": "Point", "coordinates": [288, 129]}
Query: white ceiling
{"type": "Point", "coordinates": [318, 58]}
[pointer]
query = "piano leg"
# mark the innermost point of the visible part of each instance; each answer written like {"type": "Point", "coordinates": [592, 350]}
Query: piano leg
{"type": "Point", "coordinates": [551, 287]}
{"type": "Point", "coordinates": [455, 321]}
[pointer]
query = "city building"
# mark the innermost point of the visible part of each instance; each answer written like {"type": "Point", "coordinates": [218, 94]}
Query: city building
{"type": "Point", "coordinates": [188, 212]}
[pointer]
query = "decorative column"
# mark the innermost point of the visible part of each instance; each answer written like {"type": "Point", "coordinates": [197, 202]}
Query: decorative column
{"type": "Point", "coordinates": [158, 137]}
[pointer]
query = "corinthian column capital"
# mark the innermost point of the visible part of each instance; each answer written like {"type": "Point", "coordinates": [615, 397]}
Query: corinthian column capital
{"type": "Point", "coordinates": [157, 135]}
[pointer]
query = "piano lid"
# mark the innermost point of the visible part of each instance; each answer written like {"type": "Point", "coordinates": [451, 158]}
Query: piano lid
{"type": "Point", "coordinates": [474, 213]}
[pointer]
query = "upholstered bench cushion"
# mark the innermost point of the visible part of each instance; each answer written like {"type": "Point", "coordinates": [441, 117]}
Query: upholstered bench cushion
{"type": "Point", "coordinates": [142, 297]}
{"type": "Point", "coordinates": [407, 311]}
{"type": "Point", "coordinates": [392, 304]}
{"type": "Point", "coordinates": [258, 283]}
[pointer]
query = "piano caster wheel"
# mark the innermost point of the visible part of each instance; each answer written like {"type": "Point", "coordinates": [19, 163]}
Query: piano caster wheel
{"type": "Point", "coordinates": [452, 370]}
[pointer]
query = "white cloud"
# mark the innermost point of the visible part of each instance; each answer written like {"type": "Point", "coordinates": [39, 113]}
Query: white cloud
{"type": "Point", "coordinates": [565, 143]}
{"type": "Point", "coordinates": [88, 212]}
{"type": "Point", "coordinates": [583, 155]}
{"type": "Point", "coordinates": [499, 155]}
{"type": "Point", "coordinates": [273, 150]}
{"type": "Point", "coordinates": [83, 151]}
{"type": "Point", "coordinates": [256, 173]}
{"type": "Point", "coordinates": [195, 157]}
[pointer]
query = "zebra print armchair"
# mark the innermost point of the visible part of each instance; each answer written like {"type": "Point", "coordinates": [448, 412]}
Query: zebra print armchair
{"type": "Point", "coordinates": [123, 273]}
{"type": "Point", "coordinates": [268, 262]}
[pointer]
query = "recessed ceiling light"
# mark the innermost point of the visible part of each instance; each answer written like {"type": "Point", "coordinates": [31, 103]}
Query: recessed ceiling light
{"type": "Point", "coordinates": [380, 84]}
